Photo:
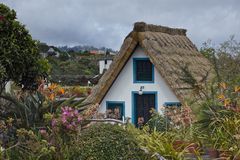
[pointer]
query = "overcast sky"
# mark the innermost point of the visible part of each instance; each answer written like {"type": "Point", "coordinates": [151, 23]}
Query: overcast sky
{"type": "Point", "coordinates": [107, 22]}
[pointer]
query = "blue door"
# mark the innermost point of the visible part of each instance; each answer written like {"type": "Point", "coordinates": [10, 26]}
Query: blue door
{"type": "Point", "coordinates": [142, 106]}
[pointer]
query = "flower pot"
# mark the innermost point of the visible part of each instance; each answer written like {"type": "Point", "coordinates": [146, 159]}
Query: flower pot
{"type": "Point", "coordinates": [225, 154]}
{"type": "Point", "coordinates": [213, 153]}
{"type": "Point", "coordinates": [193, 148]}
{"type": "Point", "coordinates": [178, 145]}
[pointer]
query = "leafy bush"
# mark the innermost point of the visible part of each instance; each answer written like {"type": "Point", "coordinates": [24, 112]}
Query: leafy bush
{"type": "Point", "coordinates": [173, 117]}
{"type": "Point", "coordinates": [219, 120]}
{"type": "Point", "coordinates": [29, 146]}
{"type": "Point", "coordinates": [214, 127]}
{"type": "Point", "coordinates": [174, 144]}
{"type": "Point", "coordinates": [158, 122]}
{"type": "Point", "coordinates": [106, 141]}
{"type": "Point", "coordinates": [58, 140]}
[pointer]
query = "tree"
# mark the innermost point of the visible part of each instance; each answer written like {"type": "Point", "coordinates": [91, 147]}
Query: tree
{"type": "Point", "coordinates": [20, 60]}
{"type": "Point", "coordinates": [64, 56]}
{"type": "Point", "coordinates": [225, 59]}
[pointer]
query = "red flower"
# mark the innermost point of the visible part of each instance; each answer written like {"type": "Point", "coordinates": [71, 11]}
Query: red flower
{"type": "Point", "coordinates": [1, 18]}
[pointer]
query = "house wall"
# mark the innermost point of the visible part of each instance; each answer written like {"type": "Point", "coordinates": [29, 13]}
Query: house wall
{"type": "Point", "coordinates": [123, 87]}
{"type": "Point", "coordinates": [103, 66]}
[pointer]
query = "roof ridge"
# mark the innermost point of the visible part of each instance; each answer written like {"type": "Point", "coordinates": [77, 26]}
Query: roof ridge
{"type": "Point", "coordinates": [143, 27]}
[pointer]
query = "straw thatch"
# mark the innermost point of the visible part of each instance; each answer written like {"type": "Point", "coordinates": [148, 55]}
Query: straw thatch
{"type": "Point", "coordinates": [169, 49]}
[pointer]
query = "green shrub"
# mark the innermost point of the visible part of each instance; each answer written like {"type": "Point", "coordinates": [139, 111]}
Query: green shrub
{"type": "Point", "coordinates": [106, 141]}
{"type": "Point", "coordinates": [160, 143]}
{"type": "Point", "coordinates": [29, 146]}
{"type": "Point", "coordinates": [220, 127]}
{"type": "Point", "coordinates": [158, 122]}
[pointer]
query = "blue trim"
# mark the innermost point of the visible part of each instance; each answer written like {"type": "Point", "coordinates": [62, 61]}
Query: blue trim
{"type": "Point", "coordinates": [134, 70]}
{"type": "Point", "coordinates": [114, 102]}
{"type": "Point", "coordinates": [169, 104]}
{"type": "Point", "coordinates": [133, 102]}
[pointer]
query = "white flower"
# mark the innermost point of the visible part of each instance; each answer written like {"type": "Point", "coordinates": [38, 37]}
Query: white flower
{"type": "Point", "coordinates": [1, 149]}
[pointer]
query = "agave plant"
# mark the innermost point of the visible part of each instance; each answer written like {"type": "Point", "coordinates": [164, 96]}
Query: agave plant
{"type": "Point", "coordinates": [27, 110]}
{"type": "Point", "coordinates": [220, 127]}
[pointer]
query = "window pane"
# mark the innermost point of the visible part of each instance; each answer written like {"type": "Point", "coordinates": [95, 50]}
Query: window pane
{"type": "Point", "coordinates": [144, 70]}
{"type": "Point", "coordinates": [172, 104]}
{"type": "Point", "coordinates": [115, 110]}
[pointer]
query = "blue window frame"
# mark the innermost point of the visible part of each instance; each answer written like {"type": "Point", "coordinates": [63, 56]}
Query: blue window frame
{"type": "Point", "coordinates": [143, 70]}
{"type": "Point", "coordinates": [115, 109]}
{"type": "Point", "coordinates": [134, 103]}
{"type": "Point", "coordinates": [172, 104]}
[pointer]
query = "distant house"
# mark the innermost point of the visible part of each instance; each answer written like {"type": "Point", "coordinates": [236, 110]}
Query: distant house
{"type": "Point", "coordinates": [104, 63]}
{"type": "Point", "coordinates": [101, 51]}
{"type": "Point", "coordinates": [93, 52]}
{"type": "Point", "coordinates": [52, 52]}
{"type": "Point", "coordinates": [148, 73]}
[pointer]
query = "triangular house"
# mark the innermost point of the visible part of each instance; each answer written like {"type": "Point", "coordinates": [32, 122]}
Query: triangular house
{"type": "Point", "coordinates": [148, 72]}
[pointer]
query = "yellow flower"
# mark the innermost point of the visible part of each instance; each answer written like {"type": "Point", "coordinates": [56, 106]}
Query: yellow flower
{"type": "Point", "coordinates": [52, 148]}
{"type": "Point", "coordinates": [237, 89]}
{"type": "Point", "coordinates": [10, 120]}
{"type": "Point", "coordinates": [44, 141]}
{"type": "Point", "coordinates": [227, 102]}
{"type": "Point", "coordinates": [221, 97]}
{"type": "Point", "coordinates": [44, 150]}
{"type": "Point", "coordinates": [223, 85]}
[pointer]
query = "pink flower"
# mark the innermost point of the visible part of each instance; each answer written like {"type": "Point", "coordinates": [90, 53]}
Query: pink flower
{"type": "Point", "coordinates": [74, 124]}
{"type": "Point", "coordinates": [69, 126]}
{"type": "Point", "coordinates": [54, 122]}
{"type": "Point", "coordinates": [65, 113]}
{"type": "Point", "coordinates": [79, 118]}
{"type": "Point", "coordinates": [43, 131]}
{"type": "Point", "coordinates": [70, 118]}
{"type": "Point", "coordinates": [76, 112]}
{"type": "Point", "coordinates": [64, 120]}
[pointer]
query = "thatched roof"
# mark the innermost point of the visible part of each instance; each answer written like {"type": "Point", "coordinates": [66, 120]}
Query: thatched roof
{"type": "Point", "coordinates": [169, 49]}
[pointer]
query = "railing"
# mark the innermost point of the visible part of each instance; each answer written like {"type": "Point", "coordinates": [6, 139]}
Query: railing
{"type": "Point", "coordinates": [108, 120]}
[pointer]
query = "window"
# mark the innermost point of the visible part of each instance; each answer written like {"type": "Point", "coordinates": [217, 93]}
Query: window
{"type": "Point", "coordinates": [143, 70]}
{"type": "Point", "coordinates": [172, 104]}
{"type": "Point", "coordinates": [115, 109]}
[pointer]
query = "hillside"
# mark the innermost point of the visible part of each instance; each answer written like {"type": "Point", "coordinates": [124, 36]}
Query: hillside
{"type": "Point", "coordinates": [72, 67]}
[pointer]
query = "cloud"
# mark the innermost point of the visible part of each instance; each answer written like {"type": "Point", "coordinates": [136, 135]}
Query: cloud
{"type": "Point", "coordinates": [107, 22]}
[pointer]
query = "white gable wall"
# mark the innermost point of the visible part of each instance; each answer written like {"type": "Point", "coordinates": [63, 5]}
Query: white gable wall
{"type": "Point", "coordinates": [123, 86]}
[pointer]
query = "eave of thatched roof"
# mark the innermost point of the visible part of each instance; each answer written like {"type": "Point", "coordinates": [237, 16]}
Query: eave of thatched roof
{"type": "Point", "coordinates": [169, 49]}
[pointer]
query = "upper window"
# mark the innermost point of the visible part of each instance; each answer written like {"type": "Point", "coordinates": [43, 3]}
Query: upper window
{"type": "Point", "coordinates": [143, 70]}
